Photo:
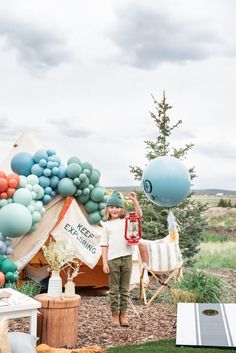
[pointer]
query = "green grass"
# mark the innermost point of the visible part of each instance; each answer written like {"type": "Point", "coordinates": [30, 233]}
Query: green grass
{"type": "Point", "coordinates": [209, 237]}
{"type": "Point", "coordinates": [217, 255]}
{"type": "Point", "coordinates": [164, 346]}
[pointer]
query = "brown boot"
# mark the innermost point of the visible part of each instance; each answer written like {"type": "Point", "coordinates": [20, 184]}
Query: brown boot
{"type": "Point", "coordinates": [115, 319]}
{"type": "Point", "coordinates": [123, 319]}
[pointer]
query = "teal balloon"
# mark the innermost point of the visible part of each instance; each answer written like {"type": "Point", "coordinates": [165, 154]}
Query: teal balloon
{"type": "Point", "coordinates": [83, 198]}
{"type": "Point", "coordinates": [166, 181]}
{"type": "Point", "coordinates": [37, 170]}
{"type": "Point", "coordinates": [40, 154]}
{"type": "Point", "coordinates": [101, 205]}
{"type": "Point", "coordinates": [73, 160]}
{"type": "Point", "coordinates": [94, 217]}
{"type": "Point", "coordinates": [73, 170]}
{"type": "Point", "coordinates": [54, 180]}
{"type": "Point", "coordinates": [94, 177]}
{"type": "Point", "coordinates": [22, 163]}
{"type": "Point", "coordinates": [15, 220]}
{"type": "Point", "coordinates": [97, 194]}
{"type": "Point", "coordinates": [62, 172]}
{"type": "Point", "coordinates": [44, 181]}
{"type": "Point", "coordinates": [66, 187]}
{"type": "Point", "coordinates": [91, 206]}
{"type": "Point", "coordinates": [23, 196]}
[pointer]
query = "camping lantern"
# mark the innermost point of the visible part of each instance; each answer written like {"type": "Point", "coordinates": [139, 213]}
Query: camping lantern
{"type": "Point", "coordinates": [133, 229]}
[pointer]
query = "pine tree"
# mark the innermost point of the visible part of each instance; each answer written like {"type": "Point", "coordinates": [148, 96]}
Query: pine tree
{"type": "Point", "coordinates": [189, 212]}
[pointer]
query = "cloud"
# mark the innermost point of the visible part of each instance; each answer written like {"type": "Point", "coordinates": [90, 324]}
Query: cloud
{"type": "Point", "coordinates": [68, 128]}
{"type": "Point", "coordinates": [220, 149]}
{"type": "Point", "coordinates": [7, 128]}
{"type": "Point", "coordinates": [37, 48]}
{"type": "Point", "coordinates": [147, 38]}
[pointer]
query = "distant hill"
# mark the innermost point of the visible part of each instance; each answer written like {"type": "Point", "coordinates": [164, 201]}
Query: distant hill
{"type": "Point", "coordinates": [126, 189]}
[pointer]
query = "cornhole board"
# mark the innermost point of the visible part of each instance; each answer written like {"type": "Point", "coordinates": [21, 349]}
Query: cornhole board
{"type": "Point", "coordinates": [206, 324]}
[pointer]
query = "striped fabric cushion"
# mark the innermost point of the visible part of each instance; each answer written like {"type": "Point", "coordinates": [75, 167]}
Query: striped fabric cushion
{"type": "Point", "coordinates": [164, 256]}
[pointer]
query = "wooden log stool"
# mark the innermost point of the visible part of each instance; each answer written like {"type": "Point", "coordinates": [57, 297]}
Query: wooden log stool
{"type": "Point", "coordinates": [58, 320]}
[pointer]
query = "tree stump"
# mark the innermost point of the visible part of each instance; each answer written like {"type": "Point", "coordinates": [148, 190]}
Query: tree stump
{"type": "Point", "coordinates": [58, 320]}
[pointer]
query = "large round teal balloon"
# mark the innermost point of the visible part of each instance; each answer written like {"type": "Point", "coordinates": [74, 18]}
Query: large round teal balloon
{"type": "Point", "coordinates": [15, 220]}
{"type": "Point", "coordinates": [22, 163]}
{"type": "Point", "coordinates": [66, 187]}
{"type": "Point", "coordinates": [166, 181]}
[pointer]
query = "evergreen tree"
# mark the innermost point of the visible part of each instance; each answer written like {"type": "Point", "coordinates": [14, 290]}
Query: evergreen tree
{"type": "Point", "coordinates": [189, 212]}
{"type": "Point", "coordinates": [221, 203]}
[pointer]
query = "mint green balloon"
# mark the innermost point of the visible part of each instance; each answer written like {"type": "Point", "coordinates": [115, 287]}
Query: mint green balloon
{"type": "Point", "coordinates": [23, 196]}
{"type": "Point", "coordinates": [87, 165]}
{"type": "Point", "coordinates": [94, 177]}
{"type": "Point", "coordinates": [73, 160]}
{"type": "Point", "coordinates": [91, 206]}
{"type": "Point", "coordinates": [101, 205]}
{"type": "Point", "coordinates": [15, 220]}
{"type": "Point", "coordinates": [83, 198]}
{"type": "Point", "coordinates": [66, 187]}
{"type": "Point", "coordinates": [73, 170]}
{"type": "Point", "coordinates": [97, 194]}
{"type": "Point", "coordinates": [94, 218]}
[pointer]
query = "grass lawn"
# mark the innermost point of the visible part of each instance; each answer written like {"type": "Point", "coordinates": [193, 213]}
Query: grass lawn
{"type": "Point", "coordinates": [217, 255]}
{"type": "Point", "coordinates": [165, 346]}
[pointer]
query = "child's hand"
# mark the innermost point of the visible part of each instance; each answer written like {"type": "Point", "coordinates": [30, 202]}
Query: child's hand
{"type": "Point", "coordinates": [106, 268]}
{"type": "Point", "coordinates": [132, 196]}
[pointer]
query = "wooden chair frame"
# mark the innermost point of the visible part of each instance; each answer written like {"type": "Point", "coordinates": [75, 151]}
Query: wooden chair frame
{"type": "Point", "coordinates": [161, 278]}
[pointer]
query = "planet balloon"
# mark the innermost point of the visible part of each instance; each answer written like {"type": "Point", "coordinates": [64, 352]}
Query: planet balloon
{"type": "Point", "coordinates": [166, 181]}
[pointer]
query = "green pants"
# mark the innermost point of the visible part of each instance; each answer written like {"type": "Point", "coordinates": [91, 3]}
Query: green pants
{"type": "Point", "coordinates": [119, 281]}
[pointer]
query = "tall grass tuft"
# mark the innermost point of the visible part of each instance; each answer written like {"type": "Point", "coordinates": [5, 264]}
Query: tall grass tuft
{"type": "Point", "coordinates": [204, 288]}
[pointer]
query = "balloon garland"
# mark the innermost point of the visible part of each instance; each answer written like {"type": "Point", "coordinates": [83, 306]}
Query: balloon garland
{"type": "Point", "coordinates": [36, 179]}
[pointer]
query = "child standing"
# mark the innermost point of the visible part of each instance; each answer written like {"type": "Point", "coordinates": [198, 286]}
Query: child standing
{"type": "Point", "coordinates": [117, 255]}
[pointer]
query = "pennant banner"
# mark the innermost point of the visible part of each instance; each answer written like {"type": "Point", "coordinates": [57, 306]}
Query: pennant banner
{"type": "Point", "coordinates": [85, 236]}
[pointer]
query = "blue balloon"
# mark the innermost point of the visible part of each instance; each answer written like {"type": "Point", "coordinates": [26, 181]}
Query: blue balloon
{"type": "Point", "coordinates": [40, 154]}
{"type": "Point", "coordinates": [22, 163]}
{"type": "Point", "coordinates": [166, 181]}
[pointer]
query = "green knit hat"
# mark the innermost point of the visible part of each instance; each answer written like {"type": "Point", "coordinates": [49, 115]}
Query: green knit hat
{"type": "Point", "coordinates": [115, 200]}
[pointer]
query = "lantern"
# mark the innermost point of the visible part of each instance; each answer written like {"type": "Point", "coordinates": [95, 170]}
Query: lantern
{"type": "Point", "coordinates": [133, 229]}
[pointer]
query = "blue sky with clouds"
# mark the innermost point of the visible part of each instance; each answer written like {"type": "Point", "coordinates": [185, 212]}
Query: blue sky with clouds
{"type": "Point", "coordinates": [80, 75]}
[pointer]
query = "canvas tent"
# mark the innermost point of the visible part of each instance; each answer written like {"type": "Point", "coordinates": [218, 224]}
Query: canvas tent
{"type": "Point", "coordinates": [64, 217]}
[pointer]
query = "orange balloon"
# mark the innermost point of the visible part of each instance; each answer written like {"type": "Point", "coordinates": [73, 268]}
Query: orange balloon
{"type": "Point", "coordinates": [3, 195]}
{"type": "Point", "coordinates": [2, 174]}
{"type": "Point", "coordinates": [12, 183]}
{"type": "Point", "coordinates": [3, 184]}
{"type": "Point", "coordinates": [2, 279]}
{"type": "Point", "coordinates": [13, 176]}
{"type": "Point", "coordinates": [10, 191]}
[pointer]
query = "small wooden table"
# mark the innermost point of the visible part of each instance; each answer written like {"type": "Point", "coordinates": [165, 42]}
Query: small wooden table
{"type": "Point", "coordinates": [58, 322]}
{"type": "Point", "coordinates": [20, 305]}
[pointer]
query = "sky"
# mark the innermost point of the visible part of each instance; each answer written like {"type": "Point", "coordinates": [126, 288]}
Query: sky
{"type": "Point", "coordinates": [81, 74]}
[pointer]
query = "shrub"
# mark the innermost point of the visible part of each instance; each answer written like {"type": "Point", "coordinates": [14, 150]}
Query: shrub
{"type": "Point", "coordinates": [30, 288]}
{"type": "Point", "coordinates": [204, 287]}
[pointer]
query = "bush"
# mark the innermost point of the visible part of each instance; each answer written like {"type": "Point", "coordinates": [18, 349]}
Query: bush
{"type": "Point", "coordinates": [30, 288]}
{"type": "Point", "coordinates": [204, 287]}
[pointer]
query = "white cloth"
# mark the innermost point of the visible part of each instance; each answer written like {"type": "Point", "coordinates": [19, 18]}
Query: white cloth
{"type": "Point", "coordinates": [113, 236]}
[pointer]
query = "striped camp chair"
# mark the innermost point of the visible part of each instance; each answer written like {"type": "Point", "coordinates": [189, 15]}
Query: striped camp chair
{"type": "Point", "coordinates": [162, 261]}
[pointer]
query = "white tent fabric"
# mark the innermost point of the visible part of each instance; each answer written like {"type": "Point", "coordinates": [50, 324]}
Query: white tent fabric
{"type": "Point", "coordinates": [26, 142]}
